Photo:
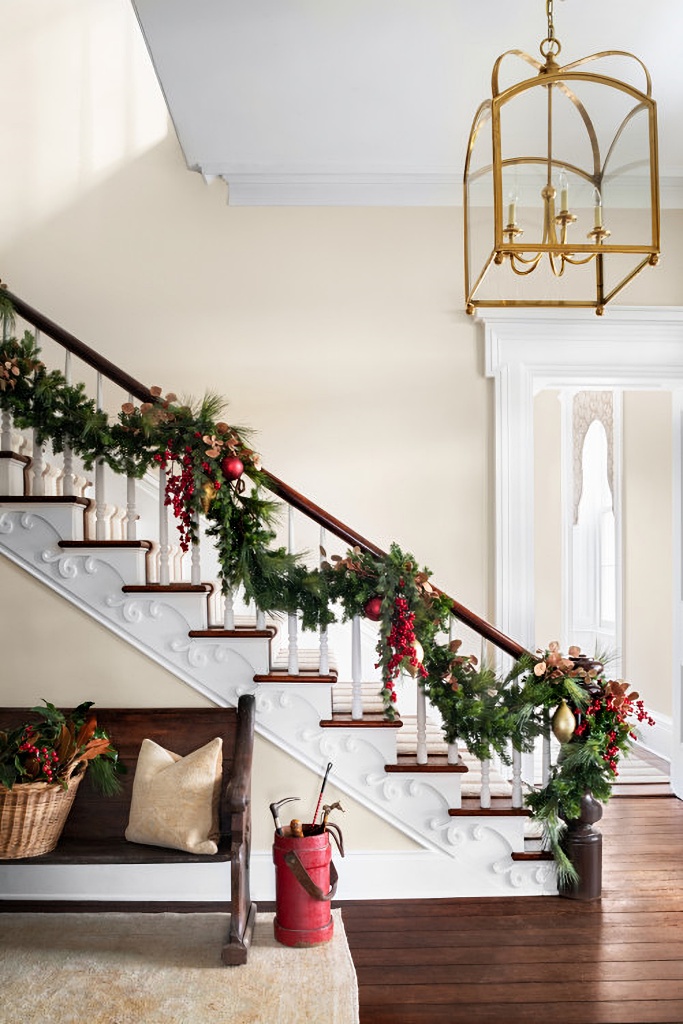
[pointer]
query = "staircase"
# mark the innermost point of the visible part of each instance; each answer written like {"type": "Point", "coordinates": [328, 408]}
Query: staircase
{"type": "Point", "coordinates": [106, 546]}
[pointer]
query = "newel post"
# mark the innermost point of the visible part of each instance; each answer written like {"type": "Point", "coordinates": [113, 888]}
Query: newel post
{"type": "Point", "coordinates": [583, 846]}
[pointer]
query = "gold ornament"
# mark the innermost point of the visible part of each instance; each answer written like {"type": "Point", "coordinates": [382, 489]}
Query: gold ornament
{"type": "Point", "coordinates": [208, 494]}
{"type": "Point", "coordinates": [563, 723]}
{"type": "Point", "coordinates": [419, 655]}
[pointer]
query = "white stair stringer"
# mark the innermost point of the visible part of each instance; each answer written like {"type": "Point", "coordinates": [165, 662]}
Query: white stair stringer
{"type": "Point", "coordinates": [473, 853]}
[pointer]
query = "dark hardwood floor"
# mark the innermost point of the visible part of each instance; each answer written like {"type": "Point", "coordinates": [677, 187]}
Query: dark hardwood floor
{"type": "Point", "coordinates": [507, 961]}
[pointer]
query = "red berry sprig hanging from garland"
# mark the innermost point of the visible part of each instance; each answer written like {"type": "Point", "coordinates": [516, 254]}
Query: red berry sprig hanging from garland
{"type": "Point", "coordinates": [181, 488]}
{"type": "Point", "coordinates": [405, 651]}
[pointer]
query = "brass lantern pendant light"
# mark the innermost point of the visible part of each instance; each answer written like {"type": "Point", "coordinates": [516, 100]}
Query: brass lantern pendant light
{"type": "Point", "coordinates": [575, 220]}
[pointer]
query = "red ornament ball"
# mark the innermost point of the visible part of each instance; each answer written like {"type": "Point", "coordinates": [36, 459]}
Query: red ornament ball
{"type": "Point", "coordinates": [232, 467]}
{"type": "Point", "coordinates": [373, 609]}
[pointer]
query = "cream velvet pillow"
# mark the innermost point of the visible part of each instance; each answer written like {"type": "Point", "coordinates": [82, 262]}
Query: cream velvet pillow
{"type": "Point", "coordinates": [175, 799]}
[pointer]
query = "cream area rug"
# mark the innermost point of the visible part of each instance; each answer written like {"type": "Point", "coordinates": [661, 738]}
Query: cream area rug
{"type": "Point", "coordinates": [166, 969]}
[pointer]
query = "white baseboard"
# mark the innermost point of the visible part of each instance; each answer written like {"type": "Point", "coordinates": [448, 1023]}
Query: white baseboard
{"type": "Point", "coordinates": [362, 875]}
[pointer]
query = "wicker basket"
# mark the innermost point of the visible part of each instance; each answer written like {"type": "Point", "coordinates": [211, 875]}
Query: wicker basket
{"type": "Point", "coordinates": [32, 816]}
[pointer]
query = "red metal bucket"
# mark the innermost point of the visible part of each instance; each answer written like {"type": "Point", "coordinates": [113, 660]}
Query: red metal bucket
{"type": "Point", "coordinates": [305, 883]}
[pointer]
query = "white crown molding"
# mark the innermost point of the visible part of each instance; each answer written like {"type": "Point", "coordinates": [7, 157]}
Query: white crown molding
{"type": "Point", "coordinates": [287, 187]}
{"type": "Point", "coordinates": [283, 188]}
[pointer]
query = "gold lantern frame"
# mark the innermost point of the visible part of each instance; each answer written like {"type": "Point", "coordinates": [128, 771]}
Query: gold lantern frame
{"type": "Point", "coordinates": [557, 249]}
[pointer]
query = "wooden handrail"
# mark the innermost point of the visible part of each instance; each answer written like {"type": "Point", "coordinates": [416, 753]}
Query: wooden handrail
{"type": "Point", "coordinates": [345, 533]}
{"type": "Point", "coordinates": [294, 498]}
{"type": "Point", "coordinates": [80, 349]}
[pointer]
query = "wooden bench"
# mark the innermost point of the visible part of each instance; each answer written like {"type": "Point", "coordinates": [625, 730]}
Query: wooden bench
{"type": "Point", "coordinates": [94, 831]}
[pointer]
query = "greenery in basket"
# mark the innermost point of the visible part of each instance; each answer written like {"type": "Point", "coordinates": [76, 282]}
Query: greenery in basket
{"type": "Point", "coordinates": [56, 746]}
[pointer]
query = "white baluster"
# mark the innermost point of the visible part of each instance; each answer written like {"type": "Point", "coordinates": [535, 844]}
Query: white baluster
{"type": "Point", "coordinates": [356, 670]}
{"type": "Point", "coordinates": [195, 555]}
{"type": "Point", "coordinates": [164, 546]}
{"type": "Point", "coordinates": [485, 783]}
{"type": "Point", "coordinates": [421, 726]}
{"type": "Point", "coordinates": [324, 640]}
{"type": "Point", "coordinates": [37, 485]}
{"type": "Point", "coordinates": [100, 503]}
{"type": "Point", "coordinates": [131, 503]}
{"type": "Point", "coordinates": [116, 523]}
{"type": "Point", "coordinates": [453, 753]}
{"type": "Point", "coordinates": [6, 431]}
{"type": "Point", "coordinates": [8, 477]}
{"type": "Point", "coordinates": [292, 622]}
{"type": "Point", "coordinates": [37, 468]}
{"type": "Point", "coordinates": [228, 610]}
{"type": "Point", "coordinates": [516, 779]}
{"type": "Point", "coordinates": [260, 619]}
{"type": "Point", "coordinates": [131, 509]}
{"type": "Point", "coordinates": [545, 763]}
{"type": "Point", "coordinates": [68, 488]}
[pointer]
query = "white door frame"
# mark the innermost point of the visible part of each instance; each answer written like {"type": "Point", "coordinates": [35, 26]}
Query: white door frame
{"type": "Point", "coordinates": [527, 351]}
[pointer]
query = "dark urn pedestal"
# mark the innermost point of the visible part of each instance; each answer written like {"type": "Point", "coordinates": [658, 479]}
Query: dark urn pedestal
{"type": "Point", "coordinates": [583, 845]}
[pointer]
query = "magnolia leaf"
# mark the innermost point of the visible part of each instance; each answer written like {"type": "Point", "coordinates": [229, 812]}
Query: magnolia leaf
{"type": "Point", "coordinates": [94, 749]}
{"type": "Point", "coordinates": [156, 391]}
{"type": "Point", "coordinates": [86, 731]}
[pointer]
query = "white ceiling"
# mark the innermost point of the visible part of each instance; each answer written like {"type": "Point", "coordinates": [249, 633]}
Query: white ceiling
{"type": "Point", "coordinates": [370, 102]}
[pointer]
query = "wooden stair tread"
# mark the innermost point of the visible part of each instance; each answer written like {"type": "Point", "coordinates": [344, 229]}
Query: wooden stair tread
{"type": "Point", "coordinates": [238, 633]}
{"type": "Point", "coordinates": [369, 720]}
{"type": "Point", "coordinates": [435, 763]}
{"type": "Point", "coordinates": [168, 588]}
{"type": "Point", "coordinates": [26, 459]}
{"type": "Point", "coordinates": [44, 499]}
{"type": "Point", "coordinates": [530, 855]}
{"type": "Point", "coordinates": [301, 677]}
{"type": "Point", "coordinates": [500, 805]}
{"type": "Point", "coordinates": [132, 544]}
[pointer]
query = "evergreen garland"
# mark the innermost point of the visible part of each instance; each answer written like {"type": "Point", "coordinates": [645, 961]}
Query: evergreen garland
{"type": "Point", "coordinates": [198, 451]}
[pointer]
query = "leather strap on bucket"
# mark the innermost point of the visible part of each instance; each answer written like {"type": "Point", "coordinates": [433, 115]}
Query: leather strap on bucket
{"type": "Point", "coordinates": [302, 876]}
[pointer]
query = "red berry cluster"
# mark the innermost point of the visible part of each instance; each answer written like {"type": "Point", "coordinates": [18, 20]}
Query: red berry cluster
{"type": "Point", "coordinates": [610, 718]}
{"type": "Point", "coordinates": [180, 488]}
{"type": "Point", "coordinates": [642, 714]}
{"type": "Point", "coordinates": [39, 760]}
{"type": "Point", "coordinates": [401, 642]}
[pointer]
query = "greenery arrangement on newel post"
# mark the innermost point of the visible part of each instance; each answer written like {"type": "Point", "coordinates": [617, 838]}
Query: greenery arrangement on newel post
{"type": "Point", "coordinates": [594, 719]}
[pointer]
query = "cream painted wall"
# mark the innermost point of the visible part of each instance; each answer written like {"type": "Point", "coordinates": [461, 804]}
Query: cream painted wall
{"type": "Point", "coordinates": [40, 663]}
{"type": "Point", "coordinates": [338, 333]}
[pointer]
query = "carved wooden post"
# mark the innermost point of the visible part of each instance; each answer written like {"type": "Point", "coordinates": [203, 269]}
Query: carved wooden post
{"type": "Point", "coordinates": [583, 845]}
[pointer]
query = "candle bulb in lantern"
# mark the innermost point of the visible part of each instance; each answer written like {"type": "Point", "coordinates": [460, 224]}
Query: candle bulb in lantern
{"type": "Point", "coordinates": [564, 190]}
{"type": "Point", "coordinates": [597, 208]}
{"type": "Point", "coordinates": [512, 208]}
